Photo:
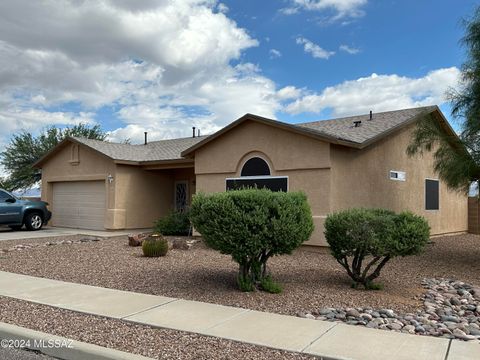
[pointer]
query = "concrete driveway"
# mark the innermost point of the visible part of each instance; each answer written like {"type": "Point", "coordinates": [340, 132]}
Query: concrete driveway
{"type": "Point", "coordinates": [7, 234]}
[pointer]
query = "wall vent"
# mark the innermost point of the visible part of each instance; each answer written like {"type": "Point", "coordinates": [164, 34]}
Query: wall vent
{"type": "Point", "coordinates": [398, 175]}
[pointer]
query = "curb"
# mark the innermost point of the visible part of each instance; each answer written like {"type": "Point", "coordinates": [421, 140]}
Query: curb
{"type": "Point", "coordinates": [59, 347]}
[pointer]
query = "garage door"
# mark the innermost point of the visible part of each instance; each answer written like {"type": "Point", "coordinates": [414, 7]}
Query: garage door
{"type": "Point", "coordinates": [79, 204]}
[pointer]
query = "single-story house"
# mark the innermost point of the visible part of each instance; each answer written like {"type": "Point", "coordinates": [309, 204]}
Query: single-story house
{"type": "Point", "coordinates": [357, 161]}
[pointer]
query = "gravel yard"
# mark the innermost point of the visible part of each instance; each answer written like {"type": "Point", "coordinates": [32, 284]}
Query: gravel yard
{"type": "Point", "coordinates": [311, 279]}
{"type": "Point", "coordinates": [143, 340]}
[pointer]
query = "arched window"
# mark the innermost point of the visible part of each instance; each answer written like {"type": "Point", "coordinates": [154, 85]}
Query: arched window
{"type": "Point", "coordinates": [255, 167]}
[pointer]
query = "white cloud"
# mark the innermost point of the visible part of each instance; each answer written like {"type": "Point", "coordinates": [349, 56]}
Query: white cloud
{"type": "Point", "coordinates": [379, 93]}
{"type": "Point", "coordinates": [162, 65]}
{"type": "Point", "coordinates": [349, 50]}
{"type": "Point", "coordinates": [15, 119]}
{"type": "Point", "coordinates": [315, 50]}
{"type": "Point", "coordinates": [222, 8]}
{"type": "Point", "coordinates": [340, 8]}
{"type": "Point", "coordinates": [289, 92]}
{"type": "Point", "coordinates": [275, 54]}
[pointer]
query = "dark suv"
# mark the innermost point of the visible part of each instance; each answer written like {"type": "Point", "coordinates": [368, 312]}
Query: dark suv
{"type": "Point", "coordinates": [15, 212]}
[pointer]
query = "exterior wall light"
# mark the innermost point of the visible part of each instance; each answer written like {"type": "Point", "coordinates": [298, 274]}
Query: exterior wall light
{"type": "Point", "coordinates": [110, 178]}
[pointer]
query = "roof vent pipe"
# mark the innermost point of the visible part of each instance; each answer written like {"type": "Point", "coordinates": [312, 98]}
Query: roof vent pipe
{"type": "Point", "coordinates": [357, 123]}
{"type": "Point", "coordinates": [198, 133]}
{"type": "Point", "coordinates": [371, 115]}
{"type": "Point", "coordinates": [146, 137]}
{"type": "Point", "coordinates": [193, 131]}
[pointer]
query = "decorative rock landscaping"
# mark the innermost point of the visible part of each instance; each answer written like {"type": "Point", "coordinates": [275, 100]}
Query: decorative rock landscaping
{"type": "Point", "coordinates": [451, 310]}
{"type": "Point", "coordinates": [174, 242]}
{"type": "Point", "coordinates": [80, 240]}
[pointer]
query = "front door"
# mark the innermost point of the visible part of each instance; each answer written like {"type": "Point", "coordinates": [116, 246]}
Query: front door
{"type": "Point", "coordinates": [181, 195]}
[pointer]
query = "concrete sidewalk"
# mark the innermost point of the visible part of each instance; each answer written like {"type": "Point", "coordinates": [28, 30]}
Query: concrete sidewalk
{"type": "Point", "coordinates": [326, 339]}
{"type": "Point", "coordinates": [48, 231]}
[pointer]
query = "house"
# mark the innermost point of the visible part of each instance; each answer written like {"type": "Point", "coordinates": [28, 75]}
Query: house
{"type": "Point", "coordinates": [357, 161]}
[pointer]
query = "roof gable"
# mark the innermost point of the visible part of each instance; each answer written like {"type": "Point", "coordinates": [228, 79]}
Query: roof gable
{"type": "Point", "coordinates": [337, 131]}
{"type": "Point", "coordinates": [155, 151]}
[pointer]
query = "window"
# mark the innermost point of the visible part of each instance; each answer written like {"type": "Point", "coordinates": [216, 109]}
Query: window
{"type": "Point", "coordinates": [432, 194]}
{"type": "Point", "coordinates": [255, 167]}
{"type": "Point", "coordinates": [256, 174]}
{"type": "Point", "coordinates": [398, 175]}
{"type": "Point", "coordinates": [274, 183]}
{"type": "Point", "coordinates": [4, 196]}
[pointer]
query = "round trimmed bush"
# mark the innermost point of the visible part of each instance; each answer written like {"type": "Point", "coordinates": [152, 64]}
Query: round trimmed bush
{"type": "Point", "coordinates": [155, 246]}
{"type": "Point", "coordinates": [364, 240]}
{"type": "Point", "coordinates": [176, 223]}
{"type": "Point", "coordinates": [252, 225]}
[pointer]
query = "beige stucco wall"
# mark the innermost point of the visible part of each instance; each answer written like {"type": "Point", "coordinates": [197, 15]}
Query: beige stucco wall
{"type": "Point", "coordinates": [333, 177]}
{"type": "Point", "coordinates": [360, 178]}
{"type": "Point", "coordinates": [144, 196]}
{"type": "Point", "coordinates": [147, 195]}
{"type": "Point", "coordinates": [134, 199]}
{"type": "Point", "coordinates": [304, 160]}
{"type": "Point", "coordinates": [90, 166]}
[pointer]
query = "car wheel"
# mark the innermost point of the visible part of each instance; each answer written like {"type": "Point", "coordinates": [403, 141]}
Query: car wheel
{"type": "Point", "coordinates": [15, 227]}
{"type": "Point", "coordinates": [34, 221]}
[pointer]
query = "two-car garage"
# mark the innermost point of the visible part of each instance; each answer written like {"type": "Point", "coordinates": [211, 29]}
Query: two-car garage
{"type": "Point", "coordinates": [79, 204]}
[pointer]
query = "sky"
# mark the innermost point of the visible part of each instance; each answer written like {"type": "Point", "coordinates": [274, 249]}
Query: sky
{"type": "Point", "coordinates": [164, 66]}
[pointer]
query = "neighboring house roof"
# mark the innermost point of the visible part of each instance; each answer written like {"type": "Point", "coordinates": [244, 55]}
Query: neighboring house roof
{"type": "Point", "coordinates": [338, 131]}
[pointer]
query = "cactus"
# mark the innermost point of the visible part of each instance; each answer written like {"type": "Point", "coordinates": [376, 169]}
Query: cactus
{"type": "Point", "coordinates": [155, 246]}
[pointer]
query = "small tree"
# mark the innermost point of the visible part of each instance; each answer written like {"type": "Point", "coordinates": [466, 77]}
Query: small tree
{"type": "Point", "coordinates": [364, 240]}
{"type": "Point", "coordinates": [253, 225]}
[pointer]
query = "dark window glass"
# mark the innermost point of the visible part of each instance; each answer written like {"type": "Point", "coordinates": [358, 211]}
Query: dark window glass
{"type": "Point", "coordinates": [255, 167]}
{"type": "Point", "coordinates": [432, 195]}
{"type": "Point", "coordinates": [274, 184]}
{"type": "Point", "coordinates": [4, 196]}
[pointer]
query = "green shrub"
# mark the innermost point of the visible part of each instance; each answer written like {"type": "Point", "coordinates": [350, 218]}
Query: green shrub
{"type": "Point", "coordinates": [175, 223]}
{"type": "Point", "coordinates": [252, 225]}
{"type": "Point", "coordinates": [267, 284]}
{"type": "Point", "coordinates": [364, 240]}
{"type": "Point", "coordinates": [155, 246]}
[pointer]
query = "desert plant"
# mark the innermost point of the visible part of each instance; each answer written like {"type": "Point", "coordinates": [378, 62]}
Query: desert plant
{"type": "Point", "coordinates": [364, 240]}
{"type": "Point", "coordinates": [252, 225]}
{"type": "Point", "coordinates": [175, 223]}
{"type": "Point", "coordinates": [155, 245]}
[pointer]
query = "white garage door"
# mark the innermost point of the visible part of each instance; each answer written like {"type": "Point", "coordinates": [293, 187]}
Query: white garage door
{"type": "Point", "coordinates": [79, 204]}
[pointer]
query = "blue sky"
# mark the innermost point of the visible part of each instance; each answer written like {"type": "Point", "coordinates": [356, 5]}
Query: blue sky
{"type": "Point", "coordinates": [163, 66]}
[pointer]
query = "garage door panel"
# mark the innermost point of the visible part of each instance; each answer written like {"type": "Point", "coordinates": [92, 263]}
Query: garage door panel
{"type": "Point", "coordinates": [79, 204]}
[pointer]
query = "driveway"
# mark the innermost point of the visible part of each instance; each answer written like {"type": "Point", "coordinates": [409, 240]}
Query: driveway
{"type": "Point", "coordinates": [49, 231]}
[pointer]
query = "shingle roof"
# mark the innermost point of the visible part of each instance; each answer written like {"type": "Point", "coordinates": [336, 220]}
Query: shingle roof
{"type": "Point", "coordinates": [153, 151]}
{"type": "Point", "coordinates": [340, 131]}
{"type": "Point", "coordinates": [344, 128]}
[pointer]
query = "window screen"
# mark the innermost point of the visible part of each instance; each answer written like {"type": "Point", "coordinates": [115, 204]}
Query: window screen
{"type": "Point", "coordinates": [271, 183]}
{"type": "Point", "coordinates": [432, 195]}
{"type": "Point", "coordinates": [255, 167]}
